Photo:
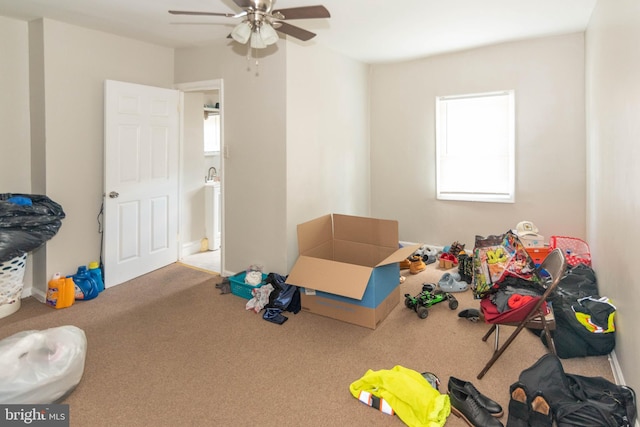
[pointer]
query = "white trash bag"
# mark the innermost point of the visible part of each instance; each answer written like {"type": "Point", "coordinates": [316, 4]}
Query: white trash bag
{"type": "Point", "coordinates": [41, 367]}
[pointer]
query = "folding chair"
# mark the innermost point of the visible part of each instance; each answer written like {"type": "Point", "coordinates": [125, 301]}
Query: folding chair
{"type": "Point", "coordinates": [552, 269]}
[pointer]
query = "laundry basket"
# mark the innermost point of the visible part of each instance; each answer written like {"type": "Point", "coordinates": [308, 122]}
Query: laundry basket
{"type": "Point", "coordinates": [576, 251]}
{"type": "Point", "coordinates": [11, 284]}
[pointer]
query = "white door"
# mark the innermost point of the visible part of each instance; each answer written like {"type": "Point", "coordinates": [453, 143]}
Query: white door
{"type": "Point", "coordinates": [140, 180]}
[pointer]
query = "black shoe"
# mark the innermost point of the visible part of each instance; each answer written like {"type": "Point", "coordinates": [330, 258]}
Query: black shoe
{"type": "Point", "coordinates": [471, 314]}
{"type": "Point", "coordinates": [540, 415]}
{"type": "Point", "coordinates": [519, 412]}
{"type": "Point", "coordinates": [464, 406]}
{"type": "Point", "coordinates": [490, 405]}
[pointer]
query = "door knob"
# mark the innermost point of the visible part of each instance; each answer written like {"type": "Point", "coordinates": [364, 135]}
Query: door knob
{"type": "Point", "coordinates": [113, 195]}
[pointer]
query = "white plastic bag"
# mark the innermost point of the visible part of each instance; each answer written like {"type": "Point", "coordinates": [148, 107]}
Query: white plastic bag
{"type": "Point", "coordinates": [40, 367]}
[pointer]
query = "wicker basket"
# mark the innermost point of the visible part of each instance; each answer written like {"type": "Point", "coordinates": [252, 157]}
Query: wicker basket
{"type": "Point", "coordinates": [11, 284]}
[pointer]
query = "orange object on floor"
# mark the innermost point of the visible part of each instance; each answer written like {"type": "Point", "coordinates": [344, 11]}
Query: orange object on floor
{"type": "Point", "coordinates": [404, 264]}
{"type": "Point", "coordinates": [417, 265]}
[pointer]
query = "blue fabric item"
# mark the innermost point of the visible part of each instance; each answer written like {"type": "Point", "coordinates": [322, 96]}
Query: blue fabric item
{"type": "Point", "coordinates": [285, 297]}
{"type": "Point", "coordinates": [274, 315]}
{"type": "Point", "coordinates": [19, 200]}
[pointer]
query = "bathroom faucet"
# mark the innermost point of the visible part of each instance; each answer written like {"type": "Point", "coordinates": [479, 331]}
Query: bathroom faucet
{"type": "Point", "coordinates": [211, 177]}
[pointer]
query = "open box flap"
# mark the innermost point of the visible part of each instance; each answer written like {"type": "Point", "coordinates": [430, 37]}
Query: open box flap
{"type": "Point", "coordinates": [315, 233]}
{"type": "Point", "coordinates": [377, 232]}
{"type": "Point", "coordinates": [337, 278]}
{"type": "Point", "coordinates": [399, 255]}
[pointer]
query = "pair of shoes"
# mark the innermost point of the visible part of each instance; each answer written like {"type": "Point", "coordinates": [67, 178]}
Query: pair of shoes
{"type": "Point", "coordinates": [417, 265]}
{"type": "Point", "coordinates": [464, 406]}
{"type": "Point", "coordinates": [493, 407]}
{"type": "Point", "coordinates": [428, 259]}
{"type": "Point", "coordinates": [528, 410]}
{"type": "Point", "coordinates": [456, 248]}
{"type": "Point", "coordinates": [404, 264]}
{"type": "Point", "coordinates": [448, 261]}
{"type": "Point", "coordinates": [450, 282]}
{"type": "Point", "coordinates": [465, 267]}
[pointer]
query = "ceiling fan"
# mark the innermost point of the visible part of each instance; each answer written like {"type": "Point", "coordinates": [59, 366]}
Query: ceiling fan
{"type": "Point", "coordinates": [260, 21]}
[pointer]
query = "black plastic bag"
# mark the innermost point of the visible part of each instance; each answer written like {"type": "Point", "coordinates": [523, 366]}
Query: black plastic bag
{"type": "Point", "coordinates": [24, 228]}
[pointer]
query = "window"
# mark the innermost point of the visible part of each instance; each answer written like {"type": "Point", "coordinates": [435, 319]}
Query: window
{"type": "Point", "coordinates": [475, 147]}
{"type": "Point", "coordinates": [212, 133]}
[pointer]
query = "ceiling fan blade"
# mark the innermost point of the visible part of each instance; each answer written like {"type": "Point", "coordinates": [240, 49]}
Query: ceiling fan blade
{"type": "Point", "coordinates": [188, 12]}
{"type": "Point", "coordinates": [293, 31]}
{"type": "Point", "coordinates": [305, 12]}
{"type": "Point", "coordinates": [243, 3]}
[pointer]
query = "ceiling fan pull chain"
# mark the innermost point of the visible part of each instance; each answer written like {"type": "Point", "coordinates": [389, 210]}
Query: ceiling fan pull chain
{"type": "Point", "coordinates": [257, 62]}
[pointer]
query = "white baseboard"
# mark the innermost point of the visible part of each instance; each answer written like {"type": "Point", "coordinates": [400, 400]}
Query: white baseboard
{"type": "Point", "coordinates": [617, 374]}
{"type": "Point", "coordinates": [191, 248]}
{"type": "Point", "coordinates": [36, 293]}
{"type": "Point", "coordinates": [615, 367]}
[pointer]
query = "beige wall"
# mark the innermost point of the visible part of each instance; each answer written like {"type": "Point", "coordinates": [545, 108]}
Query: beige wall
{"type": "Point", "coordinates": [15, 148]}
{"type": "Point", "coordinates": [254, 182]}
{"type": "Point", "coordinates": [297, 143]}
{"type": "Point", "coordinates": [548, 79]}
{"type": "Point", "coordinates": [69, 65]}
{"type": "Point", "coordinates": [613, 129]}
{"type": "Point", "coordinates": [14, 107]}
{"type": "Point", "coordinates": [327, 137]}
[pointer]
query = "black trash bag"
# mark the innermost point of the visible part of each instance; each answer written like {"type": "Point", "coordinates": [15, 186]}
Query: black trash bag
{"type": "Point", "coordinates": [24, 228]}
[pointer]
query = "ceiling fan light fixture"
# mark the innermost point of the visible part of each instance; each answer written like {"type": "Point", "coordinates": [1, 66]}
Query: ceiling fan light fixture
{"type": "Point", "coordinates": [242, 32]}
{"type": "Point", "coordinates": [268, 34]}
{"type": "Point", "coordinates": [256, 41]}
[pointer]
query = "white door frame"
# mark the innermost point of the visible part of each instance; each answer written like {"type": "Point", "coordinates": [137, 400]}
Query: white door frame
{"type": "Point", "coordinates": [201, 86]}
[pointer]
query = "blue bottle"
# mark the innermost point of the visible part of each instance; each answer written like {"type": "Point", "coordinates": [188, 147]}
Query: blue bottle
{"type": "Point", "coordinates": [86, 286]}
{"type": "Point", "coordinates": [96, 273]}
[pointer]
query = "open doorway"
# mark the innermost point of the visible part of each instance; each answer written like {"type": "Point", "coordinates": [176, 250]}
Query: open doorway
{"type": "Point", "coordinates": [202, 176]}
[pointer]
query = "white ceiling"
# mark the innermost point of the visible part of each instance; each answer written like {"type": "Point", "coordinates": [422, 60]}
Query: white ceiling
{"type": "Point", "coordinates": [371, 31]}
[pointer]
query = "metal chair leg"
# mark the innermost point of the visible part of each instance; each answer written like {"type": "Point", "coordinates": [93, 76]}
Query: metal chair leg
{"type": "Point", "coordinates": [498, 353]}
{"type": "Point", "coordinates": [489, 332]}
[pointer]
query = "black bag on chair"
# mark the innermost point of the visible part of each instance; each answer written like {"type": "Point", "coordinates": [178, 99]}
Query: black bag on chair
{"type": "Point", "coordinates": [580, 401]}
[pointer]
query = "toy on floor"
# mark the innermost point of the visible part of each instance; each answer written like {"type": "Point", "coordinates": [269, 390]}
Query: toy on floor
{"type": "Point", "coordinates": [428, 297]}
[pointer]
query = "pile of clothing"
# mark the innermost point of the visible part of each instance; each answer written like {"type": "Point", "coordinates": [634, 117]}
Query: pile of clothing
{"type": "Point", "coordinates": [275, 297]}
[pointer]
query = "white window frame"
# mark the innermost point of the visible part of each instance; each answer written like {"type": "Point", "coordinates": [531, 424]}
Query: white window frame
{"type": "Point", "coordinates": [457, 173]}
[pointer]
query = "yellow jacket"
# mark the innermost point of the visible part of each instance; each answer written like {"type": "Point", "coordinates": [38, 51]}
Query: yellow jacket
{"type": "Point", "coordinates": [410, 395]}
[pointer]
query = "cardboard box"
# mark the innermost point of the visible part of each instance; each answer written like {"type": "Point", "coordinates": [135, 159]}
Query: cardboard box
{"type": "Point", "coordinates": [348, 268]}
